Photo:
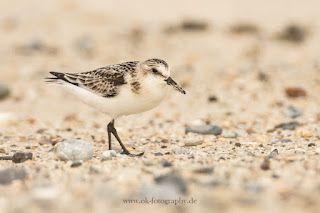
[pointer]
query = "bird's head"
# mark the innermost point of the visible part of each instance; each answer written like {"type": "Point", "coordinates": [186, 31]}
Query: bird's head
{"type": "Point", "coordinates": [159, 69]}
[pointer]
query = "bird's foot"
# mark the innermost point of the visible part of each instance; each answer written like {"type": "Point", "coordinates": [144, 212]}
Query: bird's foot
{"type": "Point", "coordinates": [126, 152]}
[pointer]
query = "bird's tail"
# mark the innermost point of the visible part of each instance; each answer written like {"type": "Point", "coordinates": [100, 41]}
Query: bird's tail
{"type": "Point", "coordinates": [58, 78]}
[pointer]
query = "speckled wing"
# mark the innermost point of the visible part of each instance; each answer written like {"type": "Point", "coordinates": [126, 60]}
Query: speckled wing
{"type": "Point", "coordinates": [105, 81]}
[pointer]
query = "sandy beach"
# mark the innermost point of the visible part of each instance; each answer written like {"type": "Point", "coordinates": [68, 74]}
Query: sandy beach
{"type": "Point", "coordinates": [245, 137]}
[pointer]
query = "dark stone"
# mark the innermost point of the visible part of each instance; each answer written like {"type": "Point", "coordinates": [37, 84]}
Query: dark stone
{"type": "Point", "coordinates": [311, 144]}
{"type": "Point", "coordinates": [194, 25]}
{"type": "Point", "coordinates": [11, 174]}
{"type": "Point", "coordinates": [174, 180]}
{"type": "Point", "coordinates": [293, 33]}
{"type": "Point", "coordinates": [165, 141]}
{"type": "Point", "coordinates": [221, 158]}
{"type": "Point", "coordinates": [158, 154]}
{"type": "Point", "coordinates": [76, 164]}
{"type": "Point", "coordinates": [212, 98]}
{"type": "Point", "coordinates": [263, 77]}
{"type": "Point", "coordinates": [21, 157]}
{"type": "Point", "coordinates": [288, 126]}
{"type": "Point", "coordinates": [237, 144]}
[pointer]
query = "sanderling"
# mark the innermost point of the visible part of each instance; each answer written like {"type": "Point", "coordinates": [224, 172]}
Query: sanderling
{"type": "Point", "coordinates": [120, 89]}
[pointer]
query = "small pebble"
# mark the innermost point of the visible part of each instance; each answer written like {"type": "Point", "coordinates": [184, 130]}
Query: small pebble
{"type": "Point", "coordinates": [222, 139]}
{"type": "Point", "coordinates": [76, 164]}
{"type": "Point", "coordinates": [206, 129]}
{"type": "Point", "coordinates": [306, 134]}
{"type": "Point", "coordinates": [237, 144]}
{"type": "Point", "coordinates": [108, 155]}
{"type": "Point", "coordinates": [74, 150]}
{"type": "Point", "coordinates": [194, 25]}
{"type": "Point", "coordinates": [300, 151]}
{"type": "Point", "coordinates": [40, 131]}
{"type": "Point", "coordinates": [282, 140]}
{"type": "Point", "coordinates": [212, 98]}
{"type": "Point", "coordinates": [288, 126]}
{"type": "Point", "coordinates": [21, 157]}
{"type": "Point", "coordinates": [295, 92]}
{"type": "Point", "coordinates": [221, 159]}
{"type": "Point", "coordinates": [2, 150]}
{"type": "Point", "coordinates": [181, 151]}
{"type": "Point", "coordinates": [4, 91]}
{"type": "Point", "coordinates": [250, 131]}
{"type": "Point", "coordinates": [193, 142]}
{"type": "Point", "coordinates": [11, 174]}
{"type": "Point", "coordinates": [165, 141]}
{"type": "Point", "coordinates": [230, 135]}
{"type": "Point", "coordinates": [158, 154]}
{"type": "Point", "coordinates": [311, 144]}
{"type": "Point", "coordinates": [292, 112]}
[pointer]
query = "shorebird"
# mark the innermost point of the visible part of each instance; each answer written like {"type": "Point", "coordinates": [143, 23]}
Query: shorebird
{"type": "Point", "coordinates": [120, 89]}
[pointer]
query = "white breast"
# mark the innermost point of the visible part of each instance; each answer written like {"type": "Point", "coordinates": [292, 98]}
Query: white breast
{"type": "Point", "coordinates": [127, 102]}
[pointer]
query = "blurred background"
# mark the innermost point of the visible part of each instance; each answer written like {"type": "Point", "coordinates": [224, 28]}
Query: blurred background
{"type": "Point", "coordinates": [213, 47]}
{"type": "Point", "coordinates": [247, 66]}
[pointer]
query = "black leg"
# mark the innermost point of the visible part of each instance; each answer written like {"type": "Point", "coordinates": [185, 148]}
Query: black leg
{"type": "Point", "coordinates": [113, 130]}
{"type": "Point", "coordinates": [109, 128]}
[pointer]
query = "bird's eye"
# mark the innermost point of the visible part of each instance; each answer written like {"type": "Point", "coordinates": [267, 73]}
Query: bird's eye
{"type": "Point", "coordinates": [154, 71]}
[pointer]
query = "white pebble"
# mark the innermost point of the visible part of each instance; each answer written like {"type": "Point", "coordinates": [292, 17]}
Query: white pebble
{"type": "Point", "coordinates": [74, 150]}
{"type": "Point", "coordinates": [109, 154]}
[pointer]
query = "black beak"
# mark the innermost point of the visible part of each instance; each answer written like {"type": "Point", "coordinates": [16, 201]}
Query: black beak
{"type": "Point", "coordinates": [176, 86]}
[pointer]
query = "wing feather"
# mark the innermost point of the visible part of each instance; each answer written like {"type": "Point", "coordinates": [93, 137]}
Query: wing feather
{"type": "Point", "coordinates": [105, 81]}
